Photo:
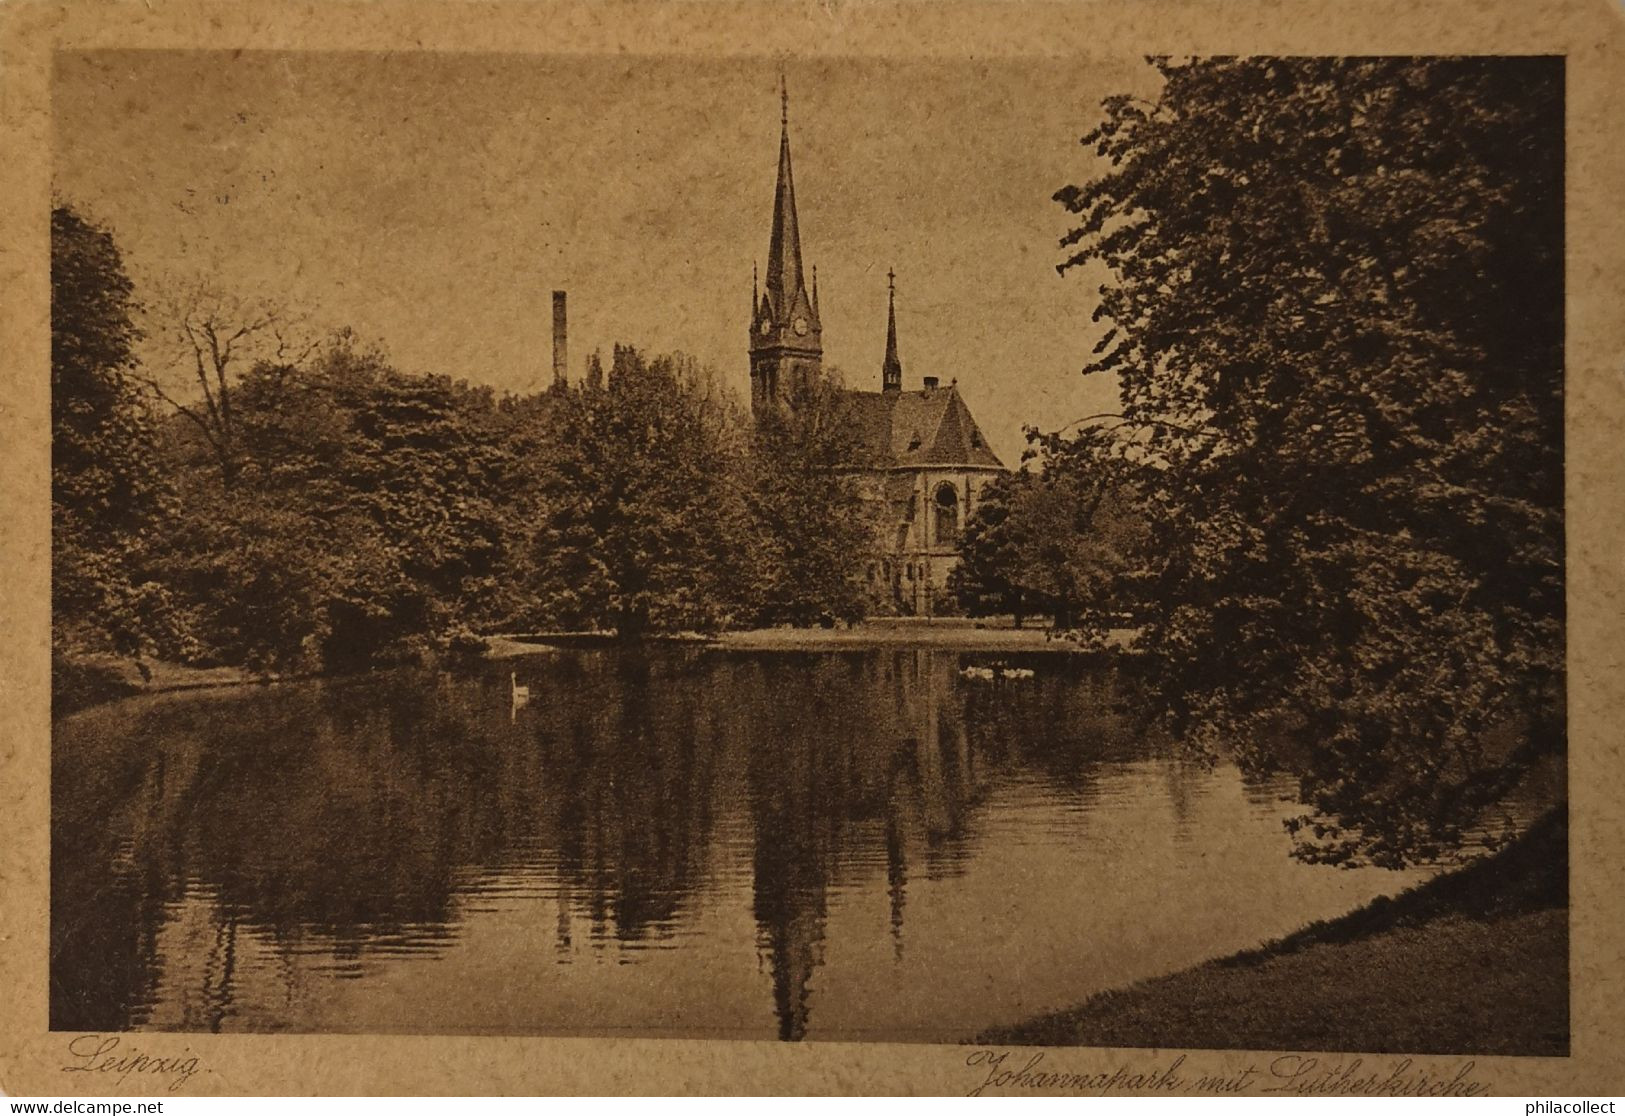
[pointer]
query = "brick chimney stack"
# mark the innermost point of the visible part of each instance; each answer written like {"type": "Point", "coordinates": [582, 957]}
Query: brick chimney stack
{"type": "Point", "coordinates": [561, 358]}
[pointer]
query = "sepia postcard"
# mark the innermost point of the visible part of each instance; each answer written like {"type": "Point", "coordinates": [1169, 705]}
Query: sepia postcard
{"type": "Point", "coordinates": [989, 548]}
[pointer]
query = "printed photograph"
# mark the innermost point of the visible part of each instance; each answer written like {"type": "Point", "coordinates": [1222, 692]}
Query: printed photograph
{"type": "Point", "coordinates": [1027, 551]}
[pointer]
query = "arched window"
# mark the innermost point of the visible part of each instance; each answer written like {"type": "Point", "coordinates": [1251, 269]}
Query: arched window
{"type": "Point", "coordinates": [947, 519]}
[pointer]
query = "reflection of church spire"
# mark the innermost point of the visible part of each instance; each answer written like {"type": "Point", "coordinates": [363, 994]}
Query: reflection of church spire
{"type": "Point", "coordinates": [789, 906]}
{"type": "Point", "coordinates": [789, 909]}
{"type": "Point", "coordinates": [791, 871]}
{"type": "Point", "coordinates": [793, 945]}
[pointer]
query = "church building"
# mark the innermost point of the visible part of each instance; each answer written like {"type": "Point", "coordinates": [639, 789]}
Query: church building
{"type": "Point", "coordinates": [926, 460]}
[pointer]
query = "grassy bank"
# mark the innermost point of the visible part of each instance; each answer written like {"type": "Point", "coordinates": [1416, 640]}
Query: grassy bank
{"type": "Point", "coordinates": [1474, 961]}
{"type": "Point", "coordinates": [78, 681]}
{"type": "Point", "coordinates": [947, 633]}
{"type": "Point", "coordinates": [82, 680]}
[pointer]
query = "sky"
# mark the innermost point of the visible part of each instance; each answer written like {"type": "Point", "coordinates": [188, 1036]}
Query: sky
{"type": "Point", "coordinates": [433, 201]}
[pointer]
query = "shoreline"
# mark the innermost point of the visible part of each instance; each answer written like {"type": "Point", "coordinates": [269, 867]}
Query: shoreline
{"type": "Point", "coordinates": [1474, 961]}
{"type": "Point", "coordinates": [946, 634]}
{"type": "Point", "coordinates": [103, 678]}
{"type": "Point", "coordinates": [938, 635]}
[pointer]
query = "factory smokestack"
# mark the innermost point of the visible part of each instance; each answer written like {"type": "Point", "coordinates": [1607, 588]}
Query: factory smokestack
{"type": "Point", "coordinates": [561, 357]}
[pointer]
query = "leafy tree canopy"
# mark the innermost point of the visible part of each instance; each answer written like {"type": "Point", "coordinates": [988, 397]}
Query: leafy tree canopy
{"type": "Point", "coordinates": [1065, 539]}
{"type": "Point", "coordinates": [1334, 309]}
{"type": "Point", "coordinates": [107, 487]}
{"type": "Point", "coordinates": [812, 530]}
{"type": "Point", "coordinates": [104, 475]}
{"type": "Point", "coordinates": [638, 501]}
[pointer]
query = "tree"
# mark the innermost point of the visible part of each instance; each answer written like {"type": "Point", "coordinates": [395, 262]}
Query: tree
{"type": "Point", "coordinates": [812, 536]}
{"type": "Point", "coordinates": [1064, 539]}
{"type": "Point", "coordinates": [638, 498]}
{"type": "Point", "coordinates": [106, 485]}
{"type": "Point", "coordinates": [103, 478]}
{"type": "Point", "coordinates": [365, 525]}
{"type": "Point", "coordinates": [207, 338]}
{"type": "Point", "coordinates": [987, 580]}
{"type": "Point", "coordinates": [1335, 314]}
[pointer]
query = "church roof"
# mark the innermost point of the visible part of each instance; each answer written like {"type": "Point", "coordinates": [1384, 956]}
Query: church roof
{"type": "Point", "coordinates": [930, 427]}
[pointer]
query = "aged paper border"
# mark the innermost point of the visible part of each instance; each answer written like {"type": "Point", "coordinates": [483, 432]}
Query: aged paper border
{"type": "Point", "coordinates": [1591, 33]}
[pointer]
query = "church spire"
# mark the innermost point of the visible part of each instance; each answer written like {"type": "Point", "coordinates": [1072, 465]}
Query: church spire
{"type": "Point", "coordinates": [786, 353]}
{"type": "Point", "coordinates": [891, 369]}
{"type": "Point", "coordinates": [784, 276]}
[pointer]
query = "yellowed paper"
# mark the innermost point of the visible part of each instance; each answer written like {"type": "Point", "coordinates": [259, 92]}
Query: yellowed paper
{"type": "Point", "coordinates": [884, 103]}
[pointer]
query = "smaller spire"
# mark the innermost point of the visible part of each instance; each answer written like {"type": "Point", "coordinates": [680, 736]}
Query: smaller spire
{"type": "Point", "coordinates": [815, 291]}
{"type": "Point", "coordinates": [755, 294]}
{"type": "Point", "coordinates": [891, 369]}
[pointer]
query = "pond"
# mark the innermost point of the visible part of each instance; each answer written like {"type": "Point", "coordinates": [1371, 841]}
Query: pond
{"type": "Point", "coordinates": [864, 845]}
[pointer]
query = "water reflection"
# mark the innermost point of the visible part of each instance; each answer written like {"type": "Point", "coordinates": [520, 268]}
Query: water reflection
{"type": "Point", "coordinates": [658, 841]}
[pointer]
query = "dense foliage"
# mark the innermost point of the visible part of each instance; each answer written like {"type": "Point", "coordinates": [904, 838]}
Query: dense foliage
{"type": "Point", "coordinates": [1334, 302]}
{"type": "Point", "coordinates": [310, 507]}
{"type": "Point", "coordinates": [812, 523]}
{"type": "Point", "coordinates": [638, 502]}
{"type": "Point", "coordinates": [359, 522]}
{"type": "Point", "coordinates": [108, 490]}
{"type": "Point", "coordinates": [1063, 540]}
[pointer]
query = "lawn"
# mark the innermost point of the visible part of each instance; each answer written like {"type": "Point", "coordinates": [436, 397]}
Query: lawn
{"type": "Point", "coordinates": [1472, 962]}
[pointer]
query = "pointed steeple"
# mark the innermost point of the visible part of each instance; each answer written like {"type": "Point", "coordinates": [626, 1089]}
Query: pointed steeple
{"type": "Point", "coordinates": [786, 352]}
{"type": "Point", "coordinates": [891, 369]}
{"type": "Point", "coordinates": [784, 276]}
